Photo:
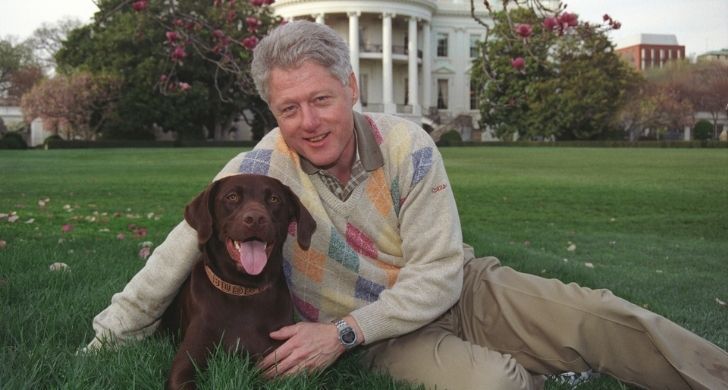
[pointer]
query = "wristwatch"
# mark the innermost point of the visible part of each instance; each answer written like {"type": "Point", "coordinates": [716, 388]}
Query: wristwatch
{"type": "Point", "coordinates": [347, 336]}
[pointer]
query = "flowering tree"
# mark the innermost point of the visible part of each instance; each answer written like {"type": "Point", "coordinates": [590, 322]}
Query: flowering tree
{"type": "Point", "coordinates": [544, 73]}
{"type": "Point", "coordinates": [183, 64]}
{"type": "Point", "coordinates": [75, 105]}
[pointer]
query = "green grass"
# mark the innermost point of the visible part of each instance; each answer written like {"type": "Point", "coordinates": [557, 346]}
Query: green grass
{"type": "Point", "coordinates": [652, 222]}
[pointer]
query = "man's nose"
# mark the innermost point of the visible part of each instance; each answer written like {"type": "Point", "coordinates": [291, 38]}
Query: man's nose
{"type": "Point", "coordinates": [310, 118]}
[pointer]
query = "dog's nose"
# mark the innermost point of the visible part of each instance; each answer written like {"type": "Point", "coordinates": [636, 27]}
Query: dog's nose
{"type": "Point", "coordinates": [254, 218]}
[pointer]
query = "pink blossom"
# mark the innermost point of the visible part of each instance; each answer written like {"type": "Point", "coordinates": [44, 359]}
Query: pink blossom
{"type": "Point", "coordinates": [524, 30]}
{"type": "Point", "coordinates": [616, 25]}
{"type": "Point", "coordinates": [121, 236]}
{"type": "Point", "coordinates": [67, 228]}
{"type": "Point", "coordinates": [184, 86]}
{"type": "Point", "coordinates": [140, 5]}
{"type": "Point", "coordinates": [218, 34]}
{"type": "Point", "coordinates": [550, 23]}
{"type": "Point", "coordinates": [250, 42]}
{"type": "Point", "coordinates": [518, 63]}
{"type": "Point", "coordinates": [179, 53]}
{"type": "Point", "coordinates": [606, 17]}
{"type": "Point", "coordinates": [252, 22]}
{"type": "Point", "coordinates": [568, 19]}
{"type": "Point", "coordinates": [172, 36]}
{"type": "Point", "coordinates": [257, 3]}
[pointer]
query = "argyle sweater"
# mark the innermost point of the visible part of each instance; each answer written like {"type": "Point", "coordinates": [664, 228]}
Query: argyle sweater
{"type": "Point", "coordinates": [390, 255]}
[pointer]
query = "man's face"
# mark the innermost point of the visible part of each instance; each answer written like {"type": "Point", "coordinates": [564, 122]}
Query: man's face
{"type": "Point", "coordinates": [314, 114]}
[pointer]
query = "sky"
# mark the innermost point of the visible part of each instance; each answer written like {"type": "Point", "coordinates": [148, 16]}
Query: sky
{"type": "Point", "coordinates": [700, 25]}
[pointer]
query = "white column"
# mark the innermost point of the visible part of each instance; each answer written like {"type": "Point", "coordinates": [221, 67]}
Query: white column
{"type": "Point", "coordinates": [414, 99]}
{"type": "Point", "coordinates": [387, 96]}
{"type": "Point", "coordinates": [320, 18]}
{"type": "Point", "coordinates": [354, 48]}
{"type": "Point", "coordinates": [426, 67]}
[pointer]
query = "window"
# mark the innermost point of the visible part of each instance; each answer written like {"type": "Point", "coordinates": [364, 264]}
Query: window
{"type": "Point", "coordinates": [363, 90]}
{"type": "Point", "coordinates": [442, 94]}
{"type": "Point", "coordinates": [474, 45]}
{"type": "Point", "coordinates": [473, 94]}
{"type": "Point", "coordinates": [442, 44]}
{"type": "Point", "coordinates": [406, 91]}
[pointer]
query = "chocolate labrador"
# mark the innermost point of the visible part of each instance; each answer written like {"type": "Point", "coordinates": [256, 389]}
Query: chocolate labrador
{"type": "Point", "coordinates": [237, 294]}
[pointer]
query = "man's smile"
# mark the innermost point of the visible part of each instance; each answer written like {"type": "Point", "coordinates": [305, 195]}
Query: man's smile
{"type": "Point", "coordinates": [317, 138]}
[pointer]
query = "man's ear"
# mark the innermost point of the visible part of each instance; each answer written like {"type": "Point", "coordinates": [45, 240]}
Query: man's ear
{"type": "Point", "coordinates": [354, 85]}
{"type": "Point", "coordinates": [305, 224]}
{"type": "Point", "coordinates": [198, 213]}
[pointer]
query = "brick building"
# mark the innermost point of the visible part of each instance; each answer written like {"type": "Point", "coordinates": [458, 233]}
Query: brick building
{"type": "Point", "coordinates": [645, 51]}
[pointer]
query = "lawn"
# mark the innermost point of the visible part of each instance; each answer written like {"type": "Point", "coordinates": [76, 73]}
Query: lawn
{"type": "Point", "coordinates": [649, 224]}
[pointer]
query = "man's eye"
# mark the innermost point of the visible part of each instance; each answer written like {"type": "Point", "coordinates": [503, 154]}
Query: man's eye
{"type": "Point", "coordinates": [287, 111]}
{"type": "Point", "coordinates": [233, 197]}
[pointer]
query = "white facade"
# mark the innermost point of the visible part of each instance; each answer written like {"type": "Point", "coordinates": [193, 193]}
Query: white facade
{"type": "Point", "coordinates": [429, 74]}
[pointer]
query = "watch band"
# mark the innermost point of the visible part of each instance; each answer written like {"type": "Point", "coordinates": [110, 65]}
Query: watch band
{"type": "Point", "coordinates": [347, 336]}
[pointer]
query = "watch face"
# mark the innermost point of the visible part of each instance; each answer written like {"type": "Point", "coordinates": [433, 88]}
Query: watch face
{"type": "Point", "coordinates": [348, 336]}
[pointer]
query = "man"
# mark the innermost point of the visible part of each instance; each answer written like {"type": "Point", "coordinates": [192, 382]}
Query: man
{"type": "Point", "coordinates": [383, 274]}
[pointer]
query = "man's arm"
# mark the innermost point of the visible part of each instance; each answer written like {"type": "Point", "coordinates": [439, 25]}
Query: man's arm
{"type": "Point", "coordinates": [431, 280]}
{"type": "Point", "coordinates": [135, 311]}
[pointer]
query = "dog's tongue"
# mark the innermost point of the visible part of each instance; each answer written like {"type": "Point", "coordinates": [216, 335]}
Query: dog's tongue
{"type": "Point", "coordinates": [253, 257]}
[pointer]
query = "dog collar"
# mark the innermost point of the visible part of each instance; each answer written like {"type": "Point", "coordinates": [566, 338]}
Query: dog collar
{"type": "Point", "coordinates": [233, 289]}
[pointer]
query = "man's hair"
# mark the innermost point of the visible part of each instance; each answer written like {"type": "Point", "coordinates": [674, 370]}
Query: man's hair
{"type": "Point", "coordinates": [291, 44]}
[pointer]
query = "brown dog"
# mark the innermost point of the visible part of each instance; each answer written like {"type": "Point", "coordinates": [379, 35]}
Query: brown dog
{"type": "Point", "coordinates": [237, 294]}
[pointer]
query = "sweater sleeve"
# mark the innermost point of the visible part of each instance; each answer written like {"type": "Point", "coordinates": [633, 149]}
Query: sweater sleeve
{"type": "Point", "coordinates": [135, 311]}
{"type": "Point", "coordinates": [431, 279]}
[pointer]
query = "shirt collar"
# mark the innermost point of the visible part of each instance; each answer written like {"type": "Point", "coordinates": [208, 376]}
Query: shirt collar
{"type": "Point", "coordinates": [366, 146]}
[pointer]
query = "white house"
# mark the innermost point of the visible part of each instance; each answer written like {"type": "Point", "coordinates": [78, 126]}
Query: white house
{"type": "Point", "coordinates": [412, 58]}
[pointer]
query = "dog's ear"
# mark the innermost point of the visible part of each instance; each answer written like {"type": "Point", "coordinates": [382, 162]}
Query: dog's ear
{"type": "Point", "coordinates": [199, 214]}
{"type": "Point", "coordinates": [305, 224]}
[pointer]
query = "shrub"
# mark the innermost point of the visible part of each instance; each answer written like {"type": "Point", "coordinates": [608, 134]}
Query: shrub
{"type": "Point", "coordinates": [450, 138]}
{"type": "Point", "coordinates": [13, 140]}
{"type": "Point", "coordinates": [52, 139]}
{"type": "Point", "coordinates": [703, 130]}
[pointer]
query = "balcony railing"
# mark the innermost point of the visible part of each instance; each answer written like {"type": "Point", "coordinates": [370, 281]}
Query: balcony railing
{"type": "Point", "coordinates": [377, 48]}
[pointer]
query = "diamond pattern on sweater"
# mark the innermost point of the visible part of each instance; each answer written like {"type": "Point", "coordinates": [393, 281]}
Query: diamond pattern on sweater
{"type": "Point", "coordinates": [377, 192]}
{"type": "Point", "coordinates": [305, 309]}
{"type": "Point", "coordinates": [256, 162]}
{"type": "Point", "coordinates": [394, 193]}
{"type": "Point", "coordinates": [367, 290]}
{"type": "Point", "coordinates": [375, 130]}
{"type": "Point", "coordinates": [310, 263]}
{"type": "Point", "coordinates": [359, 242]}
{"type": "Point", "coordinates": [422, 162]}
{"type": "Point", "coordinates": [341, 252]}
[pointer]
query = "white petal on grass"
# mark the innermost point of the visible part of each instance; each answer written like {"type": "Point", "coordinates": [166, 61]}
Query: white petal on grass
{"type": "Point", "coordinates": [55, 267]}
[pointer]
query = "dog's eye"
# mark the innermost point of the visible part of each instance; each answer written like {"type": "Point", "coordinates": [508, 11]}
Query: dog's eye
{"type": "Point", "coordinates": [233, 197]}
{"type": "Point", "coordinates": [274, 199]}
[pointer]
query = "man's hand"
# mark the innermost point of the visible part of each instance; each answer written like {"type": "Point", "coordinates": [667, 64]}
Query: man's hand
{"type": "Point", "coordinates": [308, 347]}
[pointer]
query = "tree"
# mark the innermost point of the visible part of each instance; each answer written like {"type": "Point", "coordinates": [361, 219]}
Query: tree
{"type": "Point", "coordinates": [655, 107]}
{"type": "Point", "coordinates": [545, 74]}
{"type": "Point", "coordinates": [77, 105]}
{"type": "Point", "coordinates": [14, 58]}
{"type": "Point", "coordinates": [710, 80]}
{"type": "Point", "coordinates": [704, 86]}
{"type": "Point", "coordinates": [48, 39]}
{"type": "Point", "coordinates": [183, 64]}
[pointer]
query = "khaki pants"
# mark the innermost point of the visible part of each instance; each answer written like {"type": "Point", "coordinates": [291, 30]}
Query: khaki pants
{"type": "Point", "coordinates": [510, 328]}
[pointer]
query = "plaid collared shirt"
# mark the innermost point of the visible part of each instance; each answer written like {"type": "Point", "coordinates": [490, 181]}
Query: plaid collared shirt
{"type": "Point", "coordinates": [358, 175]}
